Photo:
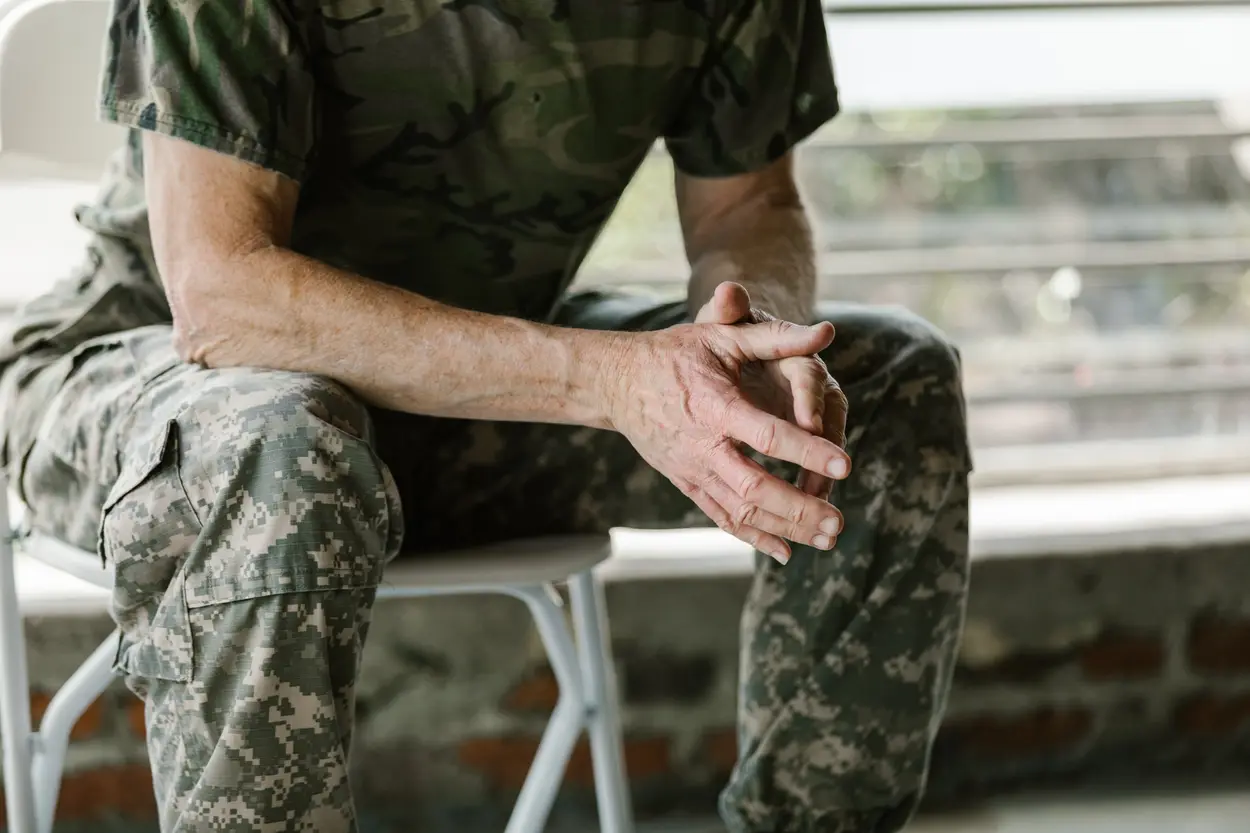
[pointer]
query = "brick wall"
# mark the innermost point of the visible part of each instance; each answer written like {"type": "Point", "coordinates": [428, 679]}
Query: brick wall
{"type": "Point", "coordinates": [1100, 670]}
{"type": "Point", "coordinates": [1110, 669]}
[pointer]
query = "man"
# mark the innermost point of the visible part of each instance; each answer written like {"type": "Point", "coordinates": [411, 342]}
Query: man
{"type": "Point", "coordinates": [324, 315]}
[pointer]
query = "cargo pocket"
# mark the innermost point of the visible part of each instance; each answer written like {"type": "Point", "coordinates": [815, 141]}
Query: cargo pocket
{"type": "Point", "coordinates": [147, 531]}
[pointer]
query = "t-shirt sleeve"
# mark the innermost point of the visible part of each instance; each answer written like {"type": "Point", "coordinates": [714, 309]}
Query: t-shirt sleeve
{"type": "Point", "coordinates": [232, 76]}
{"type": "Point", "coordinates": [766, 83]}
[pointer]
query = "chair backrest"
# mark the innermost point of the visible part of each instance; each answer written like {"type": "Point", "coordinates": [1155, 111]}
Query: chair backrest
{"type": "Point", "coordinates": [50, 57]}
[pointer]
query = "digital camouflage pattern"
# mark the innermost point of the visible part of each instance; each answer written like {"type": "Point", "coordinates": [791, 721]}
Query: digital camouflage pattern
{"type": "Point", "coordinates": [249, 514]}
{"type": "Point", "coordinates": [470, 151]}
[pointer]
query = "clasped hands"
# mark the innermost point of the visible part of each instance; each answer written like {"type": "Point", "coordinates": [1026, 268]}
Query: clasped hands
{"type": "Point", "coordinates": [691, 397]}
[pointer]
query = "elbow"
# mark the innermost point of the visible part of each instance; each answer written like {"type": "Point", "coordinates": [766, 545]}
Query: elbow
{"type": "Point", "coordinates": [194, 335]}
{"type": "Point", "coordinates": [202, 318]}
{"type": "Point", "coordinates": [223, 303]}
{"type": "Point", "coordinates": [191, 344]}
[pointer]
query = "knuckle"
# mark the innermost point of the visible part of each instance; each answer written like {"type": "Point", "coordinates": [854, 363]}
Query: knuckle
{"type": "Point", "coordinates": [745, 515]}
{"type": "Point", "coordinates": [726, 412]}
{"type": "Point", "coordinates": [813, 455]}
{"type": "Point", "coordinates": [752, 483]}
{"type": "Point", "coordinates": [766, 436]}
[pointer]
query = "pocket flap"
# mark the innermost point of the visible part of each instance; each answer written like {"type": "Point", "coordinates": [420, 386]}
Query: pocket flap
{"type": "Point", "coordinates": [145, 460]}
{"type": "Point", "coordinates": [147, 531]}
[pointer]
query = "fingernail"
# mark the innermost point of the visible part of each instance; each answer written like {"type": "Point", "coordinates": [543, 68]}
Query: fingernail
{"type": "Point", "coordinates": [831, 526]}
{"type": "Point", "coordinates": [820, 542]}
{"type": "Point", "coordinates": [837, 468]}
{"type": "Point", "coordinates": [781, 555]}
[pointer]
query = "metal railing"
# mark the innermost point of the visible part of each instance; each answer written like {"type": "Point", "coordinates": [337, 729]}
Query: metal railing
{"type": "Point", "coordinates": [1139, 385]}
{"type": "Point", "coordinates": [1031, 132]}
{"type": "Point", "coordinates": [924, 263]}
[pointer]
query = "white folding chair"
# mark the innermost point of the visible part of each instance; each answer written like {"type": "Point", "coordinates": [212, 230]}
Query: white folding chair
{"type": "Point", "coordinates": [48, 70]}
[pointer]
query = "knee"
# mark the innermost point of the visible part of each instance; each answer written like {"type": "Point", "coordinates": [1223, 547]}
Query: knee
{"type": "Point", "coordinates": [272, 431]}
{"type": "Point", "coordinates": [280, 473]}
{"type": "Point", "coordinates": [279, 410]}
{"type": "Point", "coordinates": [871, 339]}
{"type": "Point", "coordinates": [931, 361]}
{"type": "Point", "coordinates": [240, 486]}
{"type": "Point", "coordinates": [903, 377]}
{"type": "Point", "coordinates": [892, 348]}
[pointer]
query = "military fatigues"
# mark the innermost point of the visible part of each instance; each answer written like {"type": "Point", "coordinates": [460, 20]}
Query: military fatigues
{"type": "Point", "coordinates": [469, 151]}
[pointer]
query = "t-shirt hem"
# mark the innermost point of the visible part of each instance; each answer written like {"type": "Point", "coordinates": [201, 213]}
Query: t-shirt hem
{"type": "Point", "coordinates": [749, 160]}
{"type": "Point", "coordinates": [206, 135]}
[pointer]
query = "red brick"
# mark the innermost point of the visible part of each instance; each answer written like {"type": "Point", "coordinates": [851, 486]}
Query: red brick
{"type": "Point", "coordinates": [107, 792]}
{"type": "Point", "coordinates": [135, 717]}
{"type": "Point", "coordinates": [536, 692]}
{"type": "Point", "coordinates": [665, 678]}
{"type": "Point", "coordinates": [1119, 655]}
{"type": "Point", "coordinates": [87, 726]}
{"type": "Point", "coordinates": [1209, 714]}
{"type": "Point", "coordinates": [1220, 645]}
{"type": "Point", "coordinates": [719, 750]}
{"type": "Point", "coordinates": [1037, 733]}
{"type": "Point", "coordinates": [1020, 668]}
{"type": "Point", "coordinates": [505, 761]}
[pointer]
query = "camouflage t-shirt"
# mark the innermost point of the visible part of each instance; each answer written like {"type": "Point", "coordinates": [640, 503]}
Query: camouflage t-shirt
{"type": "Point", "coordinates": [469, 150]}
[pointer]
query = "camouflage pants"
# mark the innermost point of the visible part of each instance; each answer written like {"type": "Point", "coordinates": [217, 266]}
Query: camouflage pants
{"type": "Point", "coordinates": [250, 513]}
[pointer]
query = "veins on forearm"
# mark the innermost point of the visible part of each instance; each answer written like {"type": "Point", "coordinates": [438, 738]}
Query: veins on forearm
{"type": "Point", "coordinates": [769, 250]}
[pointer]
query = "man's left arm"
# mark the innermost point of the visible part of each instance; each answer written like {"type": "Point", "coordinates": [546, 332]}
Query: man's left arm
{"type": "Point", "coordinates": [768, 85]}
{"type": "Point", "coordinates": [750, 232]}
{"type": "Point", "coordinates": [750, 229]}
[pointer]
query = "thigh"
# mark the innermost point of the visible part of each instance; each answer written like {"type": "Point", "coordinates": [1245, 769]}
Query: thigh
{"type": "Point", "coordinates": [88, 426]}
{"type": "Point", "coordinates": [471, 482]}
{"type": "Point", "coordinates": [65, 436]}
{"type": "Point", "coordinates": [466, 483]}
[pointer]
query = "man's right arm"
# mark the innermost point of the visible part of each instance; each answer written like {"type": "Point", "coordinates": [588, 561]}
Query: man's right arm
{"type": "Point", "coordinates": [240, 297]}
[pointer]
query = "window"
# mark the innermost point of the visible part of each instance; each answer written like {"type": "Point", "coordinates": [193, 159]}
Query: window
{"type": "Point", "coordinates": [1091, 256]}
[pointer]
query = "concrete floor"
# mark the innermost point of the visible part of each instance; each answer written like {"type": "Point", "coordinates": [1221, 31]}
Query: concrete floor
{"type": "Point", "coordinates": [1190, 812]}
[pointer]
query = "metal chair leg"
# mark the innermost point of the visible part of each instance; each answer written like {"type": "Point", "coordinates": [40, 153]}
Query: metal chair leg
{"type": "Point", "coordinates": [603, 703]}
{"type": "Point", "coordinates": [547, 771]}
{"type": "Point", "coordinates": [67, 705]}
{"type": "Point", "coordinates": [14, 687]}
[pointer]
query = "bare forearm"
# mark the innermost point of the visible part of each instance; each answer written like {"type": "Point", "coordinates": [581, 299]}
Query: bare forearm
{"type": "Point", "coordinates": [275, 308]}
{"type": "Point", "coordinates": [769, 251]}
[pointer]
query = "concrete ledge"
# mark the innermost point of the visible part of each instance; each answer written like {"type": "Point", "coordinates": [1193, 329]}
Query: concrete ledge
{"type": "Point", "coordinates": [1087, 519]}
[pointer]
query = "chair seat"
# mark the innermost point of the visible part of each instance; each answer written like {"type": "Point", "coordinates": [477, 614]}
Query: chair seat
{"type": "Point", "coordinates": [522, 561]}
{"type": "Point", "coordinates": [518, 561]}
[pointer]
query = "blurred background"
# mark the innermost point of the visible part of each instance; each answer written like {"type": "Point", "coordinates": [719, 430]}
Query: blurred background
{"type": "Point", "coordinates": [1064, 187]}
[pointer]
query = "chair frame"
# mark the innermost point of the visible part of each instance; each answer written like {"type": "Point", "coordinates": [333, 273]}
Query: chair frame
{"type": "Point", "coordinates": [34, 758]}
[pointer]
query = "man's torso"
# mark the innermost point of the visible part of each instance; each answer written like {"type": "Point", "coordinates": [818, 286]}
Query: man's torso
{"type": "Point", "coordinates": [470, 151]}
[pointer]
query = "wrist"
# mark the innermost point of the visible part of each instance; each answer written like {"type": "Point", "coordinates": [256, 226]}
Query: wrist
{"type": "Point", "coordinates": [596, 372]}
